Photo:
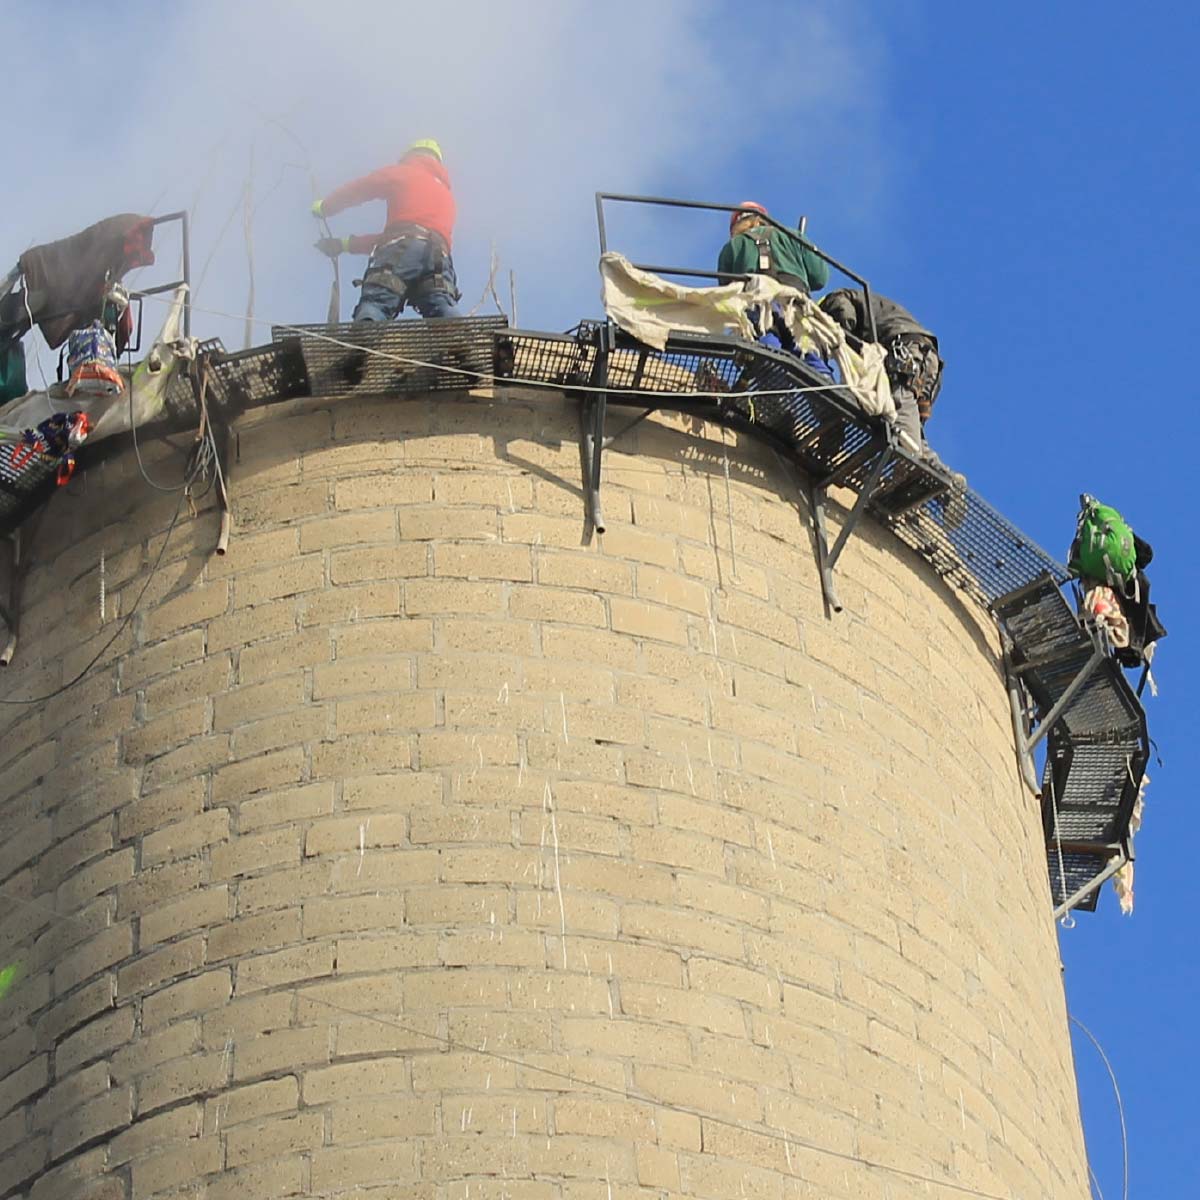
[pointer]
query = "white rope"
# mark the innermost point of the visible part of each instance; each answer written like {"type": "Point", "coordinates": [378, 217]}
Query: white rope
{"type": "Point", "coordinates": [1068, 921]}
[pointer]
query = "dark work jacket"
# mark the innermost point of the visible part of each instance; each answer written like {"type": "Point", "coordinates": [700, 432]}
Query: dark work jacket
{"type": "Point", "coordinates": [846, 307]}
{"type": "Point", "coordinates": [65, 280]}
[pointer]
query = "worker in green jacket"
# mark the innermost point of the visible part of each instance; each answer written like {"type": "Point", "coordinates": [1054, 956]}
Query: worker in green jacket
{"type": "Point", "coordinates": [758, 248]}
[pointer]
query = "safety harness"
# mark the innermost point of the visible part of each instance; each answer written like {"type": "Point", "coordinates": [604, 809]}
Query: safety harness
{"type": "Point", "coordinates": [382, 274]}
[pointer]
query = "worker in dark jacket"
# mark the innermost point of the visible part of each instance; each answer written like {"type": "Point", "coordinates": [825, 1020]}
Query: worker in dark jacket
{"type": "Point", "coordinates": [410, 260]}
{"type": "Point", "coordinates": [914, 367]}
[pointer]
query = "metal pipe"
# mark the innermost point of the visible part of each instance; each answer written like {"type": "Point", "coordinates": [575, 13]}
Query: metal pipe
{"type": "Point", "coordinates": [1060, 705]}
{"type": "Point", "coordinates": [864, 497]}
{"type": "Point", "coordinates": [705, 205]}
{"type": "Point", "coordinates": [1084, 892]}
{"type": "Point", "coordinates": [600, 222]}
{"type": "Point", "coordinates": [1017, 710]}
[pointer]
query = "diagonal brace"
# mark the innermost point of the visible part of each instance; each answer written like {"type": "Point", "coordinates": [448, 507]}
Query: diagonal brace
{"type": "Point", "coordinates": [1061, 704]}
{"type": "Point", "coordinates": [860, 505]}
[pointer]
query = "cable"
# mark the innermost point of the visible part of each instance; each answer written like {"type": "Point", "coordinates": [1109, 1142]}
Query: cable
{"type": "Point", "coordinates": [120, 628]}
{"type": "Point", "coordinates": [1120, 1104]}
{"type": "Point", "coordinates": [158, 487]}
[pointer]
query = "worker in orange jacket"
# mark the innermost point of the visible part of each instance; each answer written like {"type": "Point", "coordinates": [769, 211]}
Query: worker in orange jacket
{"type": "Point", "coordinates": [410, 260]}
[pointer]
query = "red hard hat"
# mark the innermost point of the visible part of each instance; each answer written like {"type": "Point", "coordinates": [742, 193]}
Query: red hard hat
{"type": "Point", "coordinates": [743, 208]}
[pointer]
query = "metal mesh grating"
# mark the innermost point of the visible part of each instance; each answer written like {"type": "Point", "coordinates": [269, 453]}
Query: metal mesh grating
{"type": "Point", "coordinates": [972, 546]}
{"type": "Point", "coordinates": [1080, 869]}
{"type": "Point", "coordinates": [24, 487]}
{"type": "Point", "coordinates": [976, 549]}
{"type": "Point", "coordinates": [395, 357]}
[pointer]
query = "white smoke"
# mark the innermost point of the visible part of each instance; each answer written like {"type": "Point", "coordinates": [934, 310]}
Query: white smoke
{"type": "Point", "coordinates": [537, 105]}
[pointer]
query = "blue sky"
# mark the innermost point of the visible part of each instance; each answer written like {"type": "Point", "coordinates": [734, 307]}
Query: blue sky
{"type": "Point", "coordinates": [1023, 176]}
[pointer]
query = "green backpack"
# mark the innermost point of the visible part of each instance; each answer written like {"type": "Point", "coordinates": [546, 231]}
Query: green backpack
{"type": "Point", "coordinates": [1103, 548]}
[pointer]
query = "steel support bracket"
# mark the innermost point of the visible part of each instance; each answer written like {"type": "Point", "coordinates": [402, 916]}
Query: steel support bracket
{"type": "Point", "coordinates": [593, 417]}
{"type": "Point", "coordinates": [10, 610]}
{"type": "Point", "coordinates": [1080, 895]}
{"type": "Point", "coordinates": [1063, 702]}
{"type": "Point", "coordinates": [828, 556]}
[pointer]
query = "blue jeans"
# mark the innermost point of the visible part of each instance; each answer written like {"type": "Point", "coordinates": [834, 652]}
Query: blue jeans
{"type": "Point", "coordinates": [413, 271]}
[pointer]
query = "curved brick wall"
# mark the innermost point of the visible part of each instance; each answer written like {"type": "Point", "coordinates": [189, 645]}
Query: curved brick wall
{"type": "Point", "coordinates": [418, 849]}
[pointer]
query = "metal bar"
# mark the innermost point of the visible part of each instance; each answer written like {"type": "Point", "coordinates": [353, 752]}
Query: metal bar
{"type": "Point", "coordinates": [1092, 847]}
{"type": "Point", "coordinates": [816, 500]}
{"type": "Point", "coordinates": [864, 498]}
{"type": "Point", "coordinates": [1141, 687]}
{"type": "Point", "coordinates": [185, 233]}
{"type": "Point", "coordinates": [599, 414]}
{"type": "Point", "coordinates": [1019, 722]}
{"type": "Point", "coordinates": [162, 287]}
{"type": "Point", "coordinates": [660, 270]}
{"type": "Point", "coordinates": [600, 222]}
{"type": "Point", "coordinates": [12, 612]}
{"type": "Point", "coordinates": [1060, 705]}
{"type": "Point", "coordinates": [608, 441]}
{"type": "Point", "coordinates": [1088, 888]}
{"type": "Point", "coordinates": [670, 202]}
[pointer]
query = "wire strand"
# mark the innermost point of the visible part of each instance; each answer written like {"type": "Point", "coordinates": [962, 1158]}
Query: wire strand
{"type": "Point", "coordinates": [120, 628]}
{"type": "Point", "coordinates": [1112, 1075]}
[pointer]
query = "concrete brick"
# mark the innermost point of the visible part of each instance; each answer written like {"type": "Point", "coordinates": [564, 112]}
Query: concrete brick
{"type": "Point", "coordinates": [371, 639]}
{"type": "Point", "coordinates": [639, 619]}
{"type": "Point", "coordinates": [354, 754]}
{"type": "Point", "coordinates": [437, 596]}
{"type": "Point", "coordinates": [236, 630]}
{"type": "Point", "coordinates": [448, 524]}
{"type": "Point", "coordinates": [195, 758]}
{"type": "Point", "coordinates": [312, 961]}
{"type": "Point", "coordinates": [308, 724]}
{"type": "Point", "coordinates": [348, 603]}
{"type": "Point", "coordinates": [281, 1050]}
{"type": "Point", "coordinates": [400, 487]}
{"type": "Point", "coordinates": [156, 1173]}
{"type": "Point", "coordinates": [370, 564]}
{"type": "Point", "coordinates": [200, 993]}
{"type": "Point", "coordinates": [259, 774]}
{"type": "Point", "coordinates": [186, 837]}
{"type": "Point", "coordinates": [286, 806]}
{"type": "Point", "coordinates": [149, 970]}
{"type": "Point", "coordinates": [381, 1162]}
{"type": "Point", "coordinates": [99, 953]}
{"type": "Point", "coordinates": [330, 915]}
{"type": "Point", "coordinates": [281, 656]}
{"type": "Point", "coordinates": [155, 1133]}
{"type": "Point", "coordinates": [483, 562]}
{"type": "Point", "coordinates": [196, 910]}
{"type": "Point", "coordinates": [164, 807]}
{"type": "Point", "coordinates": [251, 852]}
{"type": "Point", "coordinates": [197, 605]}
{"type": "Point", "coordinates": [241, 1104]}
{"type": "Point", "coordinates": [589, 572]}
{"type": "Point", "coordinates": [267, 507]}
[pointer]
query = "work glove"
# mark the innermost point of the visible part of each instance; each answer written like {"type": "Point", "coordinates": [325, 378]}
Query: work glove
{"type": "Point", "coordinates": [333, 246]}
{"type": "Point", "coordinates": [317, 210]}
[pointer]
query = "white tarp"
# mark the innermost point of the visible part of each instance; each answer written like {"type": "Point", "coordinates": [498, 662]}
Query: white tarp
{"type": "Point", "coordinates": [649, 307]}
{"type": "Point", "coordinates": [109, 415]}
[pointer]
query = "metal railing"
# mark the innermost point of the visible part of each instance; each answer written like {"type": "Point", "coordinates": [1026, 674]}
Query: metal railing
{"type": "Point", "coordinates": [723, 276]}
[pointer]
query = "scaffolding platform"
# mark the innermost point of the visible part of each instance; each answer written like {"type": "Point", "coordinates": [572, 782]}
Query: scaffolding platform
{"type": "Point", "coordinates": [1097, 745]}
{"type": "Point", "coordinates": [397, 357]}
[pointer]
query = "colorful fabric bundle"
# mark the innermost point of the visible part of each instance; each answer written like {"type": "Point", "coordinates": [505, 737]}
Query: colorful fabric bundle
{"type": "Point", "coordinates": [92, 362]}
{"type": "Point", "coordinates": [1101, 604]}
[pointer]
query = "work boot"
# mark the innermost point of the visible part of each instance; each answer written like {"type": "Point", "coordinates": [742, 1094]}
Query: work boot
{"type": "Point", "coordinates": [954, 502]}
